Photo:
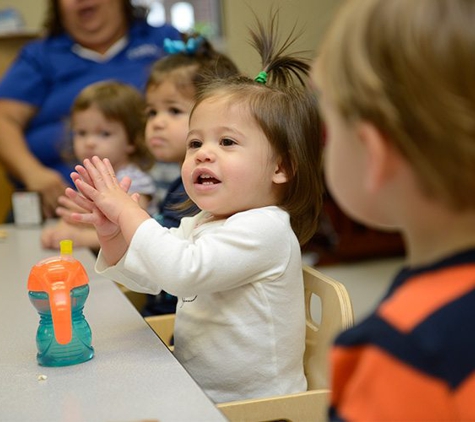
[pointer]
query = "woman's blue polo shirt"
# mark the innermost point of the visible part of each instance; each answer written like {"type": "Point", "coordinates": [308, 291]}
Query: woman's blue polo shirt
{"type": "Point", "coordinates": [48, 74]}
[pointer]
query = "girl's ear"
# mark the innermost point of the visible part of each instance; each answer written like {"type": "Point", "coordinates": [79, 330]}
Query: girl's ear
{"type": "Point", "coordinates": [280, 176]}
{"type": "Point", "coordinates": [130, 149]}
{"type": "Point", "coordinates": [382, 157]}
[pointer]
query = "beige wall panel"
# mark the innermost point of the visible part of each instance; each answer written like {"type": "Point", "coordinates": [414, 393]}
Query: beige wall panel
{"type": "Point", "coordinates": [32, 11]}
{"type": "Point", "coordinates": [310, 16]}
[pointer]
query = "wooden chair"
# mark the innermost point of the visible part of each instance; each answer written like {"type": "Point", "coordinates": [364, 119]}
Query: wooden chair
{"type": "Point", "coordinates": [137, 299]}
{"type": "Point", "coordinates": [163, 325]}
{"type": "Point", "coordinates": [336, 315]}
{"type": "Point", "coordinates": [6, 190]}
{"type": "Point", "coordinates": [10, 45]}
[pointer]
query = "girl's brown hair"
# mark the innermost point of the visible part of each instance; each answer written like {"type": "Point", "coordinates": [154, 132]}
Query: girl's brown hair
{"type": "Point", "coordinates": [188, 70]}
{"type": "Point", "coordinates": [123, 103]}
{"type": "Point", "coordinates": [408, 67]}
{"type": "Point", "coordinates": [287, 113]}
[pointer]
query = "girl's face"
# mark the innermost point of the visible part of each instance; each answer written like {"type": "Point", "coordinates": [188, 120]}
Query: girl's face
{"type": "Point", "coordinates": [229, 165]}
{"type": "Point", "coordinates": [93, 134]}
{"type": "Point", "coordinates": [168, 112]}
{"type": "Point", "coordinates": [95, 24]}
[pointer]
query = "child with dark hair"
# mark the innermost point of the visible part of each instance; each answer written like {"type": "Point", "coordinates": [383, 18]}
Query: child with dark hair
{"type": "Point", "coordinates": [251, 166]}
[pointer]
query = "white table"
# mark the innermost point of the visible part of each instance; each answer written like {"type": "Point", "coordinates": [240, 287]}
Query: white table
{"type": "Point", "coordinates": [132, 377]}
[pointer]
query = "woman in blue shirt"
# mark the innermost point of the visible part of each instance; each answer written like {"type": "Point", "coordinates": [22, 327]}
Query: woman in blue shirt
{"type": "Point", "coordinates": [84, 43]}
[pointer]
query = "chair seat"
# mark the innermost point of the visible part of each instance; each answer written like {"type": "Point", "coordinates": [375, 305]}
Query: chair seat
{"type": "Point", "coordinates": [306, 406]}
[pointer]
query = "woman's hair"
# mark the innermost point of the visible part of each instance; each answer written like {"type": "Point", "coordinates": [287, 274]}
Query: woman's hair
{"type": "Point", "coordinates": [408, 67]}
{"type": "Point", "coordinates": [287, 113]}
{"type": "Point", "coordinates": [188, 69]}
{"type": "Point", "coordinates": [54, 26]}
{"type": "Point", "coordinates": [122, 103]}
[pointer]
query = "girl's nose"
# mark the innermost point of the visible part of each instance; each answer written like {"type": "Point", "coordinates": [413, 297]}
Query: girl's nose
{"type": "Point", "coordinates": [205, 154]}
{"type": "Point", "coordinates": [90, 140]}
{"type": "Point", "coordinates": [159, 120]}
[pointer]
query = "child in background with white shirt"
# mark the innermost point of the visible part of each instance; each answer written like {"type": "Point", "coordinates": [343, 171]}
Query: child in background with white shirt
{"type": "Point", "coordinates": [252, 167]}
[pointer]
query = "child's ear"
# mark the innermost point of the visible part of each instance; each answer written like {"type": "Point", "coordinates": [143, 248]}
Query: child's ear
{"type": "Point", "coordinates": [280, 176]}
{"type": "Point", "coordinates": [130, 149]}
{"type": "Point", "coordinates": [382, 157]}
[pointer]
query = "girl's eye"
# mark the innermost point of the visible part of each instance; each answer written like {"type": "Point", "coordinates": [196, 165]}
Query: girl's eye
{"type": "Point", "coordinates": [226, 142]}
{"type": "Point", "coordinates": [78, 133]}
{"type": "Point", "coordinates": [105, 134]}
{"type": "Point", "coordinates": [175, 111]}
{"type": "Point", "coordinates": [193, 144]}
{"type": "Point", "coordinates": [150, 113]}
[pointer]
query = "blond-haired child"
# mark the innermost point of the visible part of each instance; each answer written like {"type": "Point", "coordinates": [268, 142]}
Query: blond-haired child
{"type": "Point", "coordinates": [397, 86]}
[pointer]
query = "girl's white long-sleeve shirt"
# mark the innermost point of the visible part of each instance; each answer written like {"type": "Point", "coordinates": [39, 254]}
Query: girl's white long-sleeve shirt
{"type": "Point", "coordinates": [240, 319]}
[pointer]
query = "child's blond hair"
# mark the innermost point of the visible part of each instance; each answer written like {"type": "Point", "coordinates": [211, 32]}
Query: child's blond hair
{"type": "Point", "coordinates": [408, 67]}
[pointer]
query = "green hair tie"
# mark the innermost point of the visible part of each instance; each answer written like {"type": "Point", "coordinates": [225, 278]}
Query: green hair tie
{"type": "Point", "coordinates": [261, 78]}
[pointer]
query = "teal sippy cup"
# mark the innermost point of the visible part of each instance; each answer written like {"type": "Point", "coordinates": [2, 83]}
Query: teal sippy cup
{"type": "Point", "coordinates": [58, 288]}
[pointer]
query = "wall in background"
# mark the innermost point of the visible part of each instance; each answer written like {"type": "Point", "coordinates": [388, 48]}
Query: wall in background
{"type": "Point", "coordinates": [310, 16]}
{"type": "Point", "coordinates": [32, 11]}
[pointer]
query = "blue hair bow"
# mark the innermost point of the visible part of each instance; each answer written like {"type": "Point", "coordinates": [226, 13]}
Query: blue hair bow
{"type": "Point", "coordinates": [177, 46]}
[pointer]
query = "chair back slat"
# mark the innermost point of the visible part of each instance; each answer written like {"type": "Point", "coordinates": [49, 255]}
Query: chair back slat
{"type": "Point", "coordinates": [336, 316]}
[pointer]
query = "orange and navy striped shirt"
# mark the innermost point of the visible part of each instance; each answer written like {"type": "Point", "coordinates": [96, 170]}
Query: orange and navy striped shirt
{"type": "Point", "coordinates": [413, 359]}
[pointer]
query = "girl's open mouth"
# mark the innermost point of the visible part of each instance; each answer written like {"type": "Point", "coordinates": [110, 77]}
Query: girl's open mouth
{"type": "Point", "coordinates": [206, 179]}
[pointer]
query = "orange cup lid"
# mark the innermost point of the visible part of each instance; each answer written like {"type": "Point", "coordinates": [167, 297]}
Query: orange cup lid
{"type": "Point", "coordinates": [57, 276]}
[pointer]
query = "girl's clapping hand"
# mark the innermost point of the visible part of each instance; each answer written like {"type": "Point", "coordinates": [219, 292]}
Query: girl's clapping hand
{"type": "Point", "coordinates": [101, 196]}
